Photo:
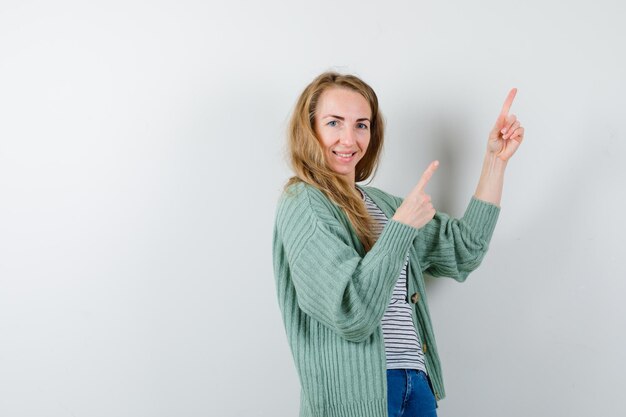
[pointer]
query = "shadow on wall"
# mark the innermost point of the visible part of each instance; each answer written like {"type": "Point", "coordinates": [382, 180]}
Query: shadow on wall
{"type": "Point", "coordinates": [449, 143]}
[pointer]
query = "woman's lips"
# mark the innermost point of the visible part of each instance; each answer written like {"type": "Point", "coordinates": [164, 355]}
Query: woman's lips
{"type": "Point", "coordinates": [345, 156]}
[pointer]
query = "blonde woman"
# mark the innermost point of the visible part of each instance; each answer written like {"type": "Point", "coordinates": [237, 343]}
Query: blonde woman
{"type": "Point", "coordinates": [349, 259]}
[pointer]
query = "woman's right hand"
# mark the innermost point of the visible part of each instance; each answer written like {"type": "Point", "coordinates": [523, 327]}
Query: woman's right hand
{"type": "Point", "coordinates": [416, 210]}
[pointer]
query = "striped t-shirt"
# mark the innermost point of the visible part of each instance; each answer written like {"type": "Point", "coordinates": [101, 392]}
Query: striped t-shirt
{"type": "Point", "coordinates": [402, 345]}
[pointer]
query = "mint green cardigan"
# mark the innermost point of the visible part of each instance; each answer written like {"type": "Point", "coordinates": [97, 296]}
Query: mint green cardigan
{"type": "Point", "coordinates": [332, 294]}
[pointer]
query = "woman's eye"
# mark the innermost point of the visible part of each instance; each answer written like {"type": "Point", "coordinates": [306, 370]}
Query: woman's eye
{"type": "Point", "coordinates": [332, 123]}
{"type": "Point", "coordinates": [362, 126]}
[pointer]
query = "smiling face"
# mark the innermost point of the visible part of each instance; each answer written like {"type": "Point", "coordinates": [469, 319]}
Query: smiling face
{"type": "Point", "coordinates": [342, 124]}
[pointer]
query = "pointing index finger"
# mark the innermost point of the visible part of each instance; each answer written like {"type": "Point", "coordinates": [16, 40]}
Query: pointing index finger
{"type": "Point", "coordinates": [508, 102]}
{"type": "Point", "coordinates": [426, 175]}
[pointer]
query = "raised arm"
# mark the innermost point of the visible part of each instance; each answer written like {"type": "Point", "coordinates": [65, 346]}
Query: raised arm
{"type": "Point", "coordinates": [504, 139]}
{"type": "Point", "coordinates": [455, 247]}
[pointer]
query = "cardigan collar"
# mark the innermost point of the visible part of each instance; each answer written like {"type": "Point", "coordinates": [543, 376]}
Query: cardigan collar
{"type": "Point", "coordinates": [382, 205]}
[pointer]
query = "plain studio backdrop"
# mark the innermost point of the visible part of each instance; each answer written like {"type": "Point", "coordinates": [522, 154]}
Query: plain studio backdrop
{"type": "Point", "coordinates": [142, 154]}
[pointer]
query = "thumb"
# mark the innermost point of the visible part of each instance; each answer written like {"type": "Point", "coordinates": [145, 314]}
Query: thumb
{"type": "Point", "coordinates": [497, 127]}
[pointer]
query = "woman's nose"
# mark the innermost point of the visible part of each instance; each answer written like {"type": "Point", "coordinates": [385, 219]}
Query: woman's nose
{"type": "Point", "coordinates": [348, 137]}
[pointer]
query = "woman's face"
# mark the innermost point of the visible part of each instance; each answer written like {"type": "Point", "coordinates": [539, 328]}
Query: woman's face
{"type": "Point", "coordinates": [342, 124]}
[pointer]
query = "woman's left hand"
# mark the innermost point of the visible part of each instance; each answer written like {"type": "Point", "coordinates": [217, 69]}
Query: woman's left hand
{"type": "Point", "coordinates": [507, 134]}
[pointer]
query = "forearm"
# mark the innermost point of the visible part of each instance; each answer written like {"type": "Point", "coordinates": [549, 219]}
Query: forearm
{"type": "Point", "coordinates": [345, 292]}
{"type": "Point", "coordinates": [491, 181]}
{"type": "Point", "coordinates": [450, 247]}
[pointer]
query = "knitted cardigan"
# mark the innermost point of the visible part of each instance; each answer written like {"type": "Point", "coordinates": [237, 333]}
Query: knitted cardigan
{"type": "Point", "coordinates": [332, 294]}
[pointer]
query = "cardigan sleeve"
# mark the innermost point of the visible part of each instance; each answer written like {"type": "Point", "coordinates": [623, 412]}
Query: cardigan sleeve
{"type": "Point", "coordinates": [333, 283]}
{"type": "Point", "coordinates": [455, 247]}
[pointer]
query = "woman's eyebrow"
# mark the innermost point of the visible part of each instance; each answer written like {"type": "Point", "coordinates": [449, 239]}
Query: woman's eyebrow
{"type": "Point", "coordinates": [343, 118]}
{"type": "Point", "coordinates": [334, 116]}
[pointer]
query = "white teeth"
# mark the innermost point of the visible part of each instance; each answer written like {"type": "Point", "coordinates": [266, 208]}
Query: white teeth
{"type": "Point", "coordinates": [344, 155]}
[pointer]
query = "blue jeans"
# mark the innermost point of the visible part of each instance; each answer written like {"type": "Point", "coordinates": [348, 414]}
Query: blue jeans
{"type": "Point", "coordinates": [409, 394]}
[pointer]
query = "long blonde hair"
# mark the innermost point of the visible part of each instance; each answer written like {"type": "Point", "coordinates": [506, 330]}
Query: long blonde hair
{"type": "Point", "coordinates": [307, 156]}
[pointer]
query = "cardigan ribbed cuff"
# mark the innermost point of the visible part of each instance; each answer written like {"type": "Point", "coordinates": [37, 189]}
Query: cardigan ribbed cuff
{"type": "Point", "coordinates": [482, 217]}
{"type": "Point", "coordinates": [372, 408]}
{"type": "Point", "coordinates": [397, 236]}
{"type": "Point", "coordinates": [369, 409]}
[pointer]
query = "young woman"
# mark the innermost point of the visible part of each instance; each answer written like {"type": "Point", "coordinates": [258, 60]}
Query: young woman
{"type": "Point", "coordinates": [349, 259]}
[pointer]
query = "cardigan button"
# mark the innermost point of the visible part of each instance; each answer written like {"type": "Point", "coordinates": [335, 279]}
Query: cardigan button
{"type": "Point", "coordinates": [415, 298]}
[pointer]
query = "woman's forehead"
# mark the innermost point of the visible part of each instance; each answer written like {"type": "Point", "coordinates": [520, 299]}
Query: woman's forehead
{"type": "Point", "coordinates": [343, 102]}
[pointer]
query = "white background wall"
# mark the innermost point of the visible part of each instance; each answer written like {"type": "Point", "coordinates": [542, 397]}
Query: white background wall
{"type": "Point", "coordinates": [141, 157]}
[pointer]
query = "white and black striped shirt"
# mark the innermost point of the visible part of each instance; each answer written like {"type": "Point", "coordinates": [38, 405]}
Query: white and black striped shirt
{"type": "Point", "coordinates": [402, 345]}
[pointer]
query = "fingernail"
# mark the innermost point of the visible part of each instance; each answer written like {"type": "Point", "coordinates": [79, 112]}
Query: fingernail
{"type": "Point", "coordinates": [503, 130]}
